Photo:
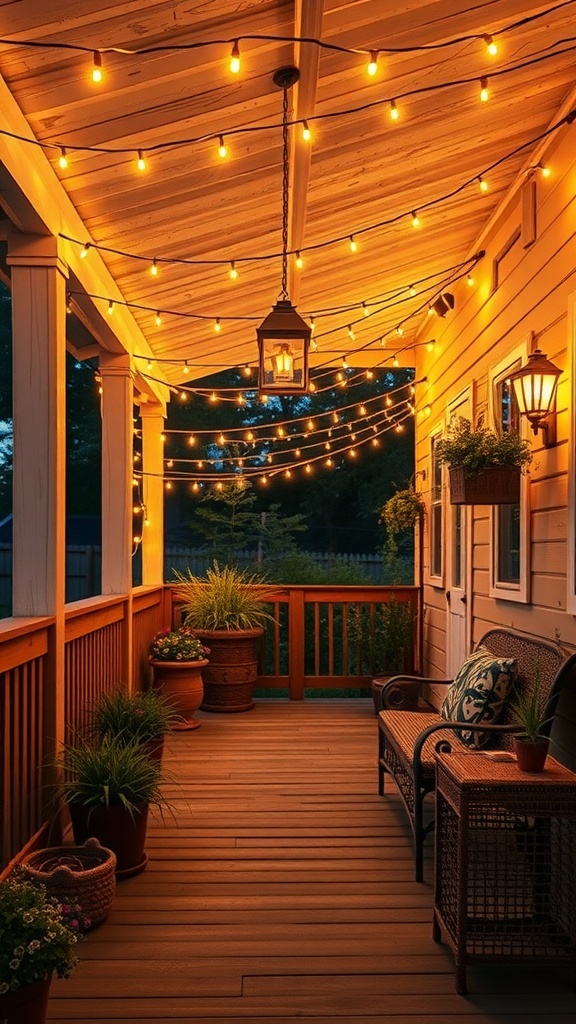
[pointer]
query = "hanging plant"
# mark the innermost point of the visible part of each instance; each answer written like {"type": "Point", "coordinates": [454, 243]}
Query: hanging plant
{"type": "Point", "coordinates": [401, 513]}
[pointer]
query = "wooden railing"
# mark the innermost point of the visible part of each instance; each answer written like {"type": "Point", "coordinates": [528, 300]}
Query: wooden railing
{"type": "Point", "coordinates": [105, 643]}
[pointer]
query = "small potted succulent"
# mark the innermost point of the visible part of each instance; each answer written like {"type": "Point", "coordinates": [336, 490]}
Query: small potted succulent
{"type": "Point", "coordinates": [533, 717]}
{"type": "Point", "coordinates": [177, 658]}
{"type": "Point", "coordinates": [38, 937]}
{"type": "Point", "coordinates": [227, 610]}
{"type": "Point", "coordinates": [484, 466]}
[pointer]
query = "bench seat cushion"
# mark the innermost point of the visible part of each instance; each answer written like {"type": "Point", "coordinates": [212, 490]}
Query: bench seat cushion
{"type": "Point", "coordinates": [402, 729]}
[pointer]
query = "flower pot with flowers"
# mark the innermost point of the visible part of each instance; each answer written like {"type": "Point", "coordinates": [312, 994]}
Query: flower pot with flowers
{"type": "Point", "coordinates": [177, 658]}
{"type": "Point", "coordinates": [38, 937]}
{"type": "Point", "coordinates": [484, 467]}
{"type": "Point", "coordinates": [145, 718]}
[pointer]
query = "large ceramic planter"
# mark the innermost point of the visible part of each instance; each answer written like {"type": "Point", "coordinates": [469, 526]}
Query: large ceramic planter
{"type": "Point", "coordinates": [27, 1005]}
{"type": "Point", "coordinates": [232, 670]}
{"type": "Point", "coordinates": [498, 485]}
{"type": "Point", "coordinates": [182, 684]}
{"type": "Point", "coordinates": [116, 829]}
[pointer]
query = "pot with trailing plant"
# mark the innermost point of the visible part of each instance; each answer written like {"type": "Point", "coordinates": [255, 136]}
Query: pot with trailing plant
{"type": "Point", "coordinates": [399, 515]}
{"type": "Point", "coordinates": [177, 658]}
{"type": "Point", "coordinates": [226, 610]}
{"type": "Point", "coordinates": [484, 467]}
{"type": "Point", "coordinates": [145, 718]}
{"type": "Point", "coordinates": [108, 788]}
{"type": "Point", "coordinates": [38, 937]}
{"type": "Point", "coordinates": [532, 714]}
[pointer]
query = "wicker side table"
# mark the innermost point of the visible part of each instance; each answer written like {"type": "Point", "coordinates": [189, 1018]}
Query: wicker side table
{"type": "Point", "coordinates": [505, 863]}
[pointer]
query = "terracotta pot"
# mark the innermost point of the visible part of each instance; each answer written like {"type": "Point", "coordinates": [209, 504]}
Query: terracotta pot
{"type": "Point", "coordinates": [531, 755]}
{"type": "Point", "coordinates": [181, 683]}
{"type": "Point", "coordinates": [232, 669]}
{"type": "Point", "coordinates": [115, 828]}
{"type": "Point", "coordinates": [27, 1005]}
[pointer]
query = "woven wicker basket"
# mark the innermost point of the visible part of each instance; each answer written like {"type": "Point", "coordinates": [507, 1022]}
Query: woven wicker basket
{"type": "Point", "coordinates": [85, 875]}
{"type": "Point", "coordinates": [497, 485]}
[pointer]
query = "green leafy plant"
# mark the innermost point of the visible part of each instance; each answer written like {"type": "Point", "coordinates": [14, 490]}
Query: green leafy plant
{"type": "Point", "coordinates": [380, 641]}
{"type": "Point", "coordinates": [226, 598]}
{"type": "Point", "coordinates": [476, 450]}
{"type": "Point", "coordinates": [401, 513]}
{"type": "Point", "coordinates": [38, 935]}
{"type": "Point", "coordinates": [110, 773]}
{"type": "Point", "coordinates": [177, 645]}
{"type": "Point", "coordinates": [530, 711]}
{"type": "Point", "coordinates": [140, 717]}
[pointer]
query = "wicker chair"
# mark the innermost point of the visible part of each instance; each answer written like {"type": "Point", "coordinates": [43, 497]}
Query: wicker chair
{"type": "Point", "coordinates": [407, 740]}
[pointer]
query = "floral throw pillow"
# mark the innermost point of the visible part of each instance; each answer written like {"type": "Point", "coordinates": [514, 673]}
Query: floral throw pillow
{"type": "Point", "coordinates": [478, 693]}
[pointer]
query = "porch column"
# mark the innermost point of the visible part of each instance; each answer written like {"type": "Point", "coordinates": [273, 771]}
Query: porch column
{"type": "Point", "coordinates": [38, 282]}
{"type": "Point", "coordinates": [152, 416]}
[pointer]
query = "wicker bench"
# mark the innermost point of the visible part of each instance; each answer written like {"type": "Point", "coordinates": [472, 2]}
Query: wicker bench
{"type": "Point", "coordinates": [408, 740]}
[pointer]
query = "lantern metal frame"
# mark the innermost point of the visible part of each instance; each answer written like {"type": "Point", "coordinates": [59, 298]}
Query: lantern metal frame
{"type": "Point", "coordinates": [283, 336]}
{"type": "Point", "coordinates": [532, 400]}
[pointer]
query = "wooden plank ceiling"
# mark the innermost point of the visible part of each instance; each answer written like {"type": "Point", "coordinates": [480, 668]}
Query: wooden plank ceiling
{"type": "Point", "coordinates": [359, 169]}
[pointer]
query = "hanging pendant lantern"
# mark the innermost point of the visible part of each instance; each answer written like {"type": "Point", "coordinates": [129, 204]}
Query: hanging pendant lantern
{"type": "Point", "coordinates": [283, 336]}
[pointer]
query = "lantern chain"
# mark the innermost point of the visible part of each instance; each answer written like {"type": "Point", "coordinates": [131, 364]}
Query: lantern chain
{"type": "Point", "coordinates": [284, 292]}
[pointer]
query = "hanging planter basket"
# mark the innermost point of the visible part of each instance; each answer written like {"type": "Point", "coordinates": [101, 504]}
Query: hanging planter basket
{"type": "Point", "coordinates": [497, 485]}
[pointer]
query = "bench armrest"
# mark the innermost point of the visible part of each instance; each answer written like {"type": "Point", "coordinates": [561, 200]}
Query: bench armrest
{"type": "Point", "coordinates": [398, 692]}
{"type": "Point", "coordinates": [444, 744]}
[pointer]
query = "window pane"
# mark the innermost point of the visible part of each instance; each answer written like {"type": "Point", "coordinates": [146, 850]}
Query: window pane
{"type": "Point", "coordinates": [457, 546]}
{"type": "Point", "coordinates": [509, 544]}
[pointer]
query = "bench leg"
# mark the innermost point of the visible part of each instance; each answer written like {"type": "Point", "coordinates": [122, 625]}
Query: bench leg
{"type": "Point", "coordinates": [381, 770]}
{"type": "Point", "coordinates": [418, 836]}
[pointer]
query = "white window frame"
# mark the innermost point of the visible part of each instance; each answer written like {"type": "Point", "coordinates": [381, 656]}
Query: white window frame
{"type": "Point", "coordinates": [518, 592]}
{"type": "Point", "coordinates": [571, 512]}
{"type": "Point", "coordinates": [430, 578]}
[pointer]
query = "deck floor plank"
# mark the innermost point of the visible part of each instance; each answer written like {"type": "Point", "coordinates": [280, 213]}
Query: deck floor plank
{"type": "Point", "coordinates": [282, 888]}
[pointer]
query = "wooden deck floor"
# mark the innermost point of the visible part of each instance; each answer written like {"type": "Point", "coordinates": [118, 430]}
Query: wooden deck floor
{"type": "Point", "coordinates": [284, 891]}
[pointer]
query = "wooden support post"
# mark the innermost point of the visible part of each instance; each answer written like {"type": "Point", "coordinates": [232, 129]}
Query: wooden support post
{"type": "Point", "coordinates": [296, 623]}
{"type": "Point", "coordinates": [152, 416]}
{"type": "Point", "coordinates": [39, 489]}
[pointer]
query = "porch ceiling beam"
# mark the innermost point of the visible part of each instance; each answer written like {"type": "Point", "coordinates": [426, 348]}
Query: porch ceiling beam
{"type": "Point", "coordinates": [307, 24]}
{"type": "Point", "coordinates": [34, 199]}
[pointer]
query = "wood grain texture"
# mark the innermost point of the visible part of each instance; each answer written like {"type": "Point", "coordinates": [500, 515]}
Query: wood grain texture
{"type": "Point", "coordinates": [284, 889]}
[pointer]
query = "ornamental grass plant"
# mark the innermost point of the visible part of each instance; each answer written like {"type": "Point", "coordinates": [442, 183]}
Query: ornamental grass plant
{"type": "Point", "coordinates": [227, 598]}
{"type": "Point", "coordinates": [38, 935]}
{"type": "Point", "coordinates": [177, 645]}
{"type": "Point", "coordinates": [110, 773]}
{"type": "Point", "coordinates": [139, 717]}
{"type": "Point", "coordinates": [480, 449]}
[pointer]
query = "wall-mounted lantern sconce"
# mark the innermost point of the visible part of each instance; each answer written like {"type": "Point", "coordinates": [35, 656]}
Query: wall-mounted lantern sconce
{"type": "Point", "coordinates": [535, 387]}
{"type": "Point", "coordinates": [443, 303]}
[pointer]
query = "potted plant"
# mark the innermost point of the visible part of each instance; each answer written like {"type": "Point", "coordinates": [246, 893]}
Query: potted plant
{"type": "Point", "coordinates": [177, 658]}
{"type": "Point", "coordinates": [533, 717]}
{"type": "Point", "coordinates": [144, 718]}
{"type": "Point", "coordinates": [38, 938]}
{"type": "Point", "coordinates": [108, 788]}
{"type": "Point", "coordinates": [484, 467]}
{"type": "Point", "coordinates": [399, 514]}
{"type": "Point", "coordinates": [227, 610]}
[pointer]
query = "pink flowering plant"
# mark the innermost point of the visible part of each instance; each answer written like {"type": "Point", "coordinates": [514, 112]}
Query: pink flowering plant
{"type": "Point", "coordinates": [178, 645]}
{"type": "Point", "coordinates": [38, 934]}
{"type": "Point", "coordinates": [139, 717]}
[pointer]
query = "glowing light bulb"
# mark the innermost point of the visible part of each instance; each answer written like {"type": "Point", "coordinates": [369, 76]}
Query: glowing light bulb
{"type": "Point", "coordinates": [241, 400]}
{"type": "Point", "coordinates": [158, 319]}
{"type": "Point", "coordinates": [97, 68]}
{"type": "Point", "coordinates": [470, 280]}
{"type": "Point", "coordinates": [247, 371]}
{"type": "Point", "coordinates": [213, 398]}
{"type": "Point", "coordinates": [352, 453]}
{"type": "Point", "coordinates": [297, 453]}
{"type": "Point", "coordinates": [264, 480]}
{"type": "Point", "coordinates": [195, 486]}
{"type": "Point", "coordinates": [154, 268]}
{"type": "Point", "coordinates": [329, 462]}
{"type": "Point", "coordinates": [84, 250]}
{"type": "Point", "coordinates": [311, 425]}
{"type": "Point", "coordinates": [544, 170]}
{"type": "Point", "coordinates": [168, 488]}
{"type": "Point", "coordinates": [110, 307]}
{"type": "Point", "coordinates": [353, 245]}
{"type": "Point", "coordinates": [369, 375]}
{"type": "Point", "coordinates": [222, 150]}
{"type": "Point", "coordinates": [299, 261]}
{"type": "Point", "coordinates": [221, 439]}
{"type": "Point", "coordinates": [312, 325]}
{"type": "Point", "coordinates": [362, 410]}
{"type": "Point", "coordinates": [365, 309]}
{"type": "Point", "coordinates": [394, 115]}
{"type": "Point", "coordinates": [141, 163]}
{"type": "Point", "coordinates": [399, 428]}
{"type": "Point", "coordinates": [149, 365]}
{"type": "Point", "coordinates": [375, 442]}
{"type": "Point", "coordinates": [217, 325]}
{"type": "Point", "coordinates": [306, 133]}
{"type": "Point", "coordinates": [308, 468]}
{"type": "Point", "coordinates": [415, 219]}
{"type": "Point", "coordinates": [491, 45]}
{"type": "Point", "coordinates": [235, 58]}
{"type": "Point", "coordinates": [233, 273]}
{"type": "Point", "coordinates": [249, 436]}
{"type": "Point", "coordinates": [264, 399]}
{"type": "Point", "coordinates": [311, 386]}
{"type": "Point", "coordinates": [412, 291]}
{"type": "Point", "coordinates": [287, 473]}
{"type": "Point", "coordinates": [382, 342]}
{"type": "Point", "coordinates": [395, 361]}
{"type": "Point", "coordinates": [430, 346]}
{"type": "Point", "coordinates": [351, 334]}
{"type": "Point", "coordinates": [372, 67]}
{"type": "Point", "coordinates": [399, 331]}
{"type": "Point", "coordinates": [484, 91]}
{"type": "Point", "coordinates": [191, 440]}
{"type": "Point", "coordinates": [482, 183]}
{"type": "Point", "coordinates": [281, 432]}
{"type": "Point", "coordinates": [63, 159]}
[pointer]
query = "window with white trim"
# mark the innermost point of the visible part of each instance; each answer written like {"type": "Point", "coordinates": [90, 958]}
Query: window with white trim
{"type": "Point", "coordinates": [509, 524]}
